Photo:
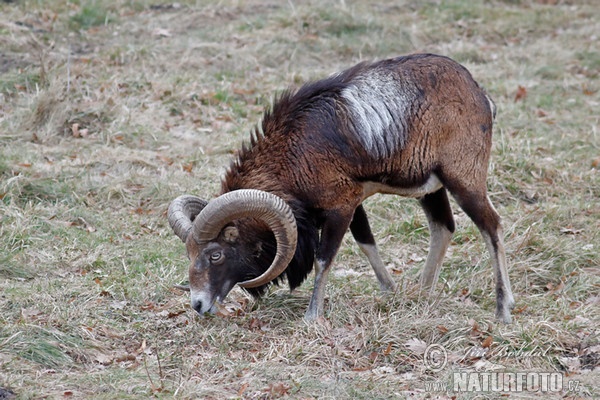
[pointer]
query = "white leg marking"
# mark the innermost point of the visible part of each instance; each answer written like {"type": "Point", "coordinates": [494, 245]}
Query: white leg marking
{"type": "Point", "coordinates": [439, 240]}
{"type": "Point", "coordinates": [317, 300]}
{"type": "Point", "coordinates": [507, 301]}
{"type": "Point", "coordinates": [386, 282]}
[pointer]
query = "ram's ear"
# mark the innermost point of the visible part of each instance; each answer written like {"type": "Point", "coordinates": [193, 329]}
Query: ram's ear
{"type": "Point", "coordinates": [231, 234]}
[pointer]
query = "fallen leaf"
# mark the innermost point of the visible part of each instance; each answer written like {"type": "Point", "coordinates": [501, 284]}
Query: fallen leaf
{"type": "Point", "coordinates": [487, 342]}
{"type": "Point", "coordinates": [30, 313]}
{"type": "Point", "coordinates": [385, 370]}
{"type": "Point", "coordinates": [552, 289]}
{"type": "Point", "coordinates": [570, 363]}
{"type": "Point", "coordinates": [176, 313]}
{"type": "Point", "coordinates": [574, 304]}
{"type": "Point", "coordinates": [226, 118]}
{"type": "Point", "coordinates": [396, 271]}
{"type": "Point", "coordinates": [521, 93]}
{"type": "Point", "coordinates": [188, 167]}
{"type": "Point", "coordinates": [103, 359]}
{"type": "Point", "coordinates": [161, 32]}
{"type": "Point", "coordinates": [388, 350]}
{"type": "Point", "coordinates": [485, 365]}
{"type": "Point", "coordinates": [118, 305]}
{"type": "Point", "coordinates": [519, 310]}
{"type": "Point", "coordinates": [475, 331]}
{"type": "Point", "coordinates": [373, 356]}
{"type": "Point", "coordinates": [243, 389]}
{"type": "Point", "coordinates": [593, 300]}
{"type": "Point", "coordinates": [570, 231]}
{"type": "Point", "coordinates": [125, 357]}
{"type": "Point", "coordinates": [165, 159]}
{"type": "Point", "coordinates": [256, 324]}
{"type": "Point", "coordinates": [278, 389]}
{"type": "Point", "coordinates": [415, 258]}
{"type": "Point", "coordinates": [80, 222]}
{"type": "Point", "coordinates": [243, 91]}
{"type": "Point", "coordinates": [75, 130]}
{"type": "Point", "coordinates": [587, 91]}
{"type": "Point", "coordinates": [417, 346]}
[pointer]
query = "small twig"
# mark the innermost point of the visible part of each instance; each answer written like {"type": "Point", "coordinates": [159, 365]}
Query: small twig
{"type": "Point", "coordinates": [160, 373]}
{"type": "Point", "coordinates": [41, 49]}
{"type": "Point", "coordinates": [148, 372]}
{"type": "Point", "coordinates": [69, 69]}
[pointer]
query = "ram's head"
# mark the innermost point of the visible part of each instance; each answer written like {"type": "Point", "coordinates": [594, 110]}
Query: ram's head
{"type": "Point", "coordinates": [220, 249]}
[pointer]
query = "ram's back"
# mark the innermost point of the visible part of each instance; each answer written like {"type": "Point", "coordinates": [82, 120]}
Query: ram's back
{"type": "Point", "coordinates": [391, 126]}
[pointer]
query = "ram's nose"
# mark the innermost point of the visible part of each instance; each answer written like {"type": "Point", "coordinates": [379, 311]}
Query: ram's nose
{"type": "Point", "coordinates": [197, 305]}
{"type": "Point", "coordinates": [202, 302]}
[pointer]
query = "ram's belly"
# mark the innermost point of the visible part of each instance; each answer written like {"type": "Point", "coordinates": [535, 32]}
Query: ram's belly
{"type": "Point", "coordinates": [433, 184]}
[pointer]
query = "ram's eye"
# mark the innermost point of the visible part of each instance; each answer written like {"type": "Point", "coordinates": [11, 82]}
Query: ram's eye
{"type": "Point", "coordinates": [216, 257]}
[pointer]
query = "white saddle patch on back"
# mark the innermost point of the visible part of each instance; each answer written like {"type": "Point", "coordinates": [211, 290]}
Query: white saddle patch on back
{"type": "Point", "coordinates": [378, 104]}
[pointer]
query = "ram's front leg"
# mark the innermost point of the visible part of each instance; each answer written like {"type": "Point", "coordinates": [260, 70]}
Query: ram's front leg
{"type": "Point", "coordinates": [335, 226]}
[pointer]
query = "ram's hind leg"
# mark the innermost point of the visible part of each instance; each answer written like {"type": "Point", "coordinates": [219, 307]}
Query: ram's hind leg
{"type": "Point", "coordinates": [478, 207]}
{"type": "Point", "coordinates": [361, 231]}
{"type": "Point", "coordinates": [441, 227]}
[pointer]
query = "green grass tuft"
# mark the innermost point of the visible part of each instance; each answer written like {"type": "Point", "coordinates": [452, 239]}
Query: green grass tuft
{"type": "Point", "coordinates": [93, 14]}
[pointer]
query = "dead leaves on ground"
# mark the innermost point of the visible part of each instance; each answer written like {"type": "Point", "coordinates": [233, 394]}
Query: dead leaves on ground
{"type": "Point", "coordinates": [82, 223]}
{"type": "Point", "coordinates": [77, 132]}
{"type": "Point", "coordinates": [521, 93]}
{"type": "Point", "coordinates": [587, 358]}
{"type": "Point", "coordinates": [173, 308]}
{"type": "Point", "coordinates": [273, 391]}
{"type": "Point", "coordinates": [131, 358]}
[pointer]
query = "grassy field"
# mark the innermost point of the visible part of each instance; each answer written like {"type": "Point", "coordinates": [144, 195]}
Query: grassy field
{"type": "Point", "coordinates": [110, 109]}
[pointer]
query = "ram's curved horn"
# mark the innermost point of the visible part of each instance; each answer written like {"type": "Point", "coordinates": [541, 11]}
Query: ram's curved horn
{"type": "Point", "coordinates": [182, 212]}
{"type": "Point", "coordinates": [251, 203]}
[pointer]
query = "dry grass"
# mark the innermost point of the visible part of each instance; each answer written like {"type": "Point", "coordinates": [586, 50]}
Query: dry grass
{"type": "Point", "coordinates": [108, 110]}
